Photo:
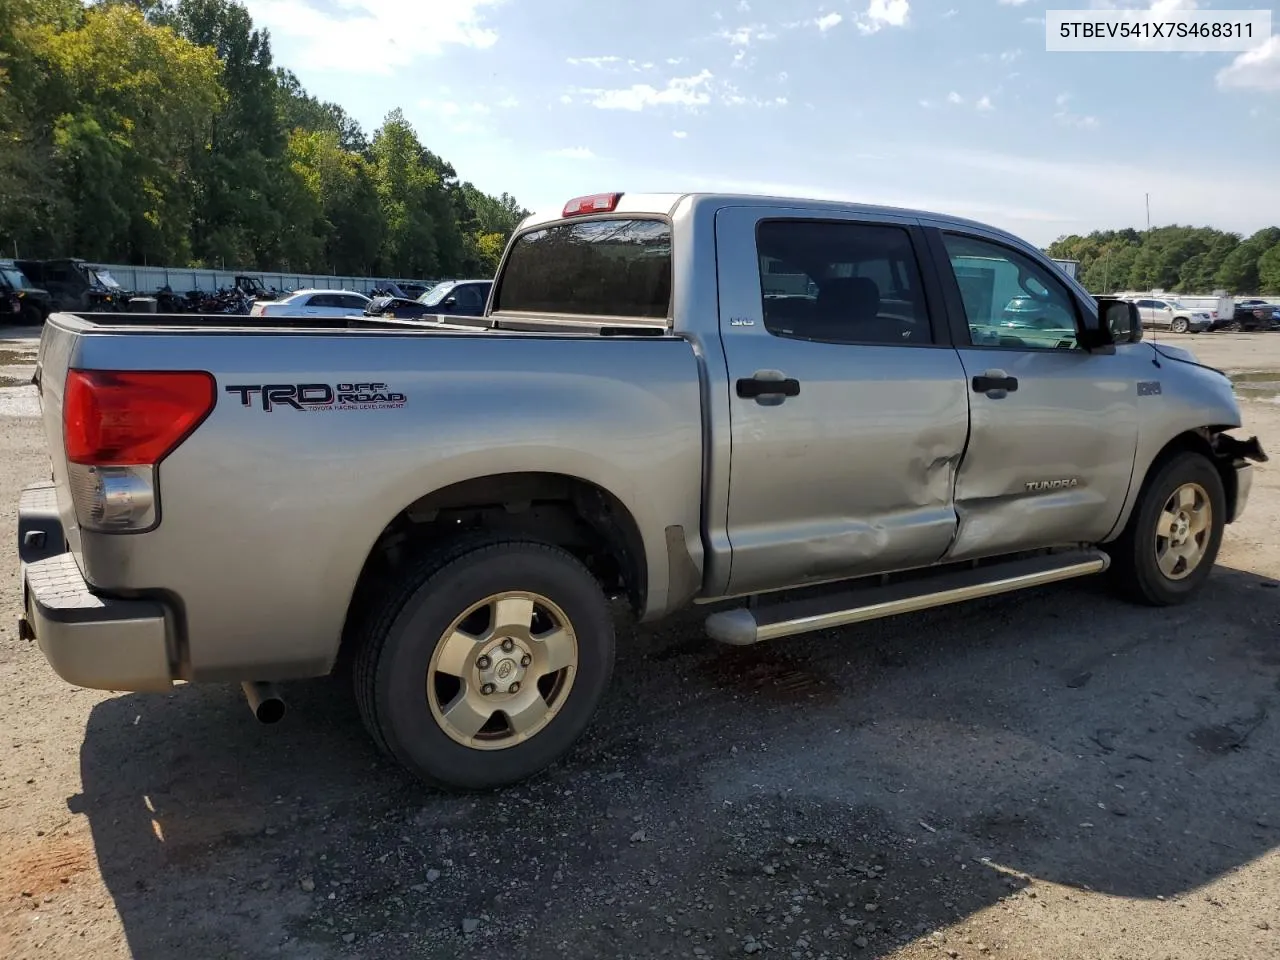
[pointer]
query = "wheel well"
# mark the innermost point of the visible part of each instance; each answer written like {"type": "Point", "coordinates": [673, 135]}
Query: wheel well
{"type": "Point", "coordinates": [569, 512]}
{"type": "Point", "coordinates": [1201, 441]}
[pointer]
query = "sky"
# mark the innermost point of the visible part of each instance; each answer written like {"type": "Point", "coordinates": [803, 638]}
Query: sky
{"type": "Point", "coordinates": [946, 105]}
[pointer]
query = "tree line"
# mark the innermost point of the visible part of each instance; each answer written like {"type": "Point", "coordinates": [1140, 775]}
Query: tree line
{"type": "Point", "coordinates": [1180, 259]}
{"type": "Point", "coordinates": [162, 132]}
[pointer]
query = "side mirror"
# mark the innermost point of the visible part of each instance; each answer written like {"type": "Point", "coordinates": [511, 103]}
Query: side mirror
{"type": "Point", "coordinates": [449, 303]}
{"type": "Point", "coordinates": [1119, 321]}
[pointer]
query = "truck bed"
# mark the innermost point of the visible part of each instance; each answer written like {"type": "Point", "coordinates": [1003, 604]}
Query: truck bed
{"type": "Point", "coordinates": [270, 498]}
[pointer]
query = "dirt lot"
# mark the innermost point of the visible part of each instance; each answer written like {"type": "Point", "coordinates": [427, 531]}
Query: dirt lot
{"type": "Point", "coordinates": [1050, 775]}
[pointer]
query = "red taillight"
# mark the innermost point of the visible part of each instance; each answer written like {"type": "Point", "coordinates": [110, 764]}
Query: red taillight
{"type": "Point", "coordinates": [596, 203]}
{"type": "Point", "coordinates": [131, 417]}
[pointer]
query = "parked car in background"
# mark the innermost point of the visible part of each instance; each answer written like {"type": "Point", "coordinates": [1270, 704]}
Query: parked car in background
{"type": "Point", "coordinates": [34, 303]}
{"type": "Point", "coordinates": [74, 284]}
{"type": "Point", "coordinates": [313, 303]}
{"type": "Point", "coordinates": [1251, 314]}
{"type": "Point", "coordinates": [459, 298]}
{"type": "Point", "coordinates": [1162, 314]}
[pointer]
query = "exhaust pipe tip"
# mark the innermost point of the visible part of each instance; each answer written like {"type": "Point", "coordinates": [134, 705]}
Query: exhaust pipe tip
{"type": "Point", "coordinates": [264, 700]}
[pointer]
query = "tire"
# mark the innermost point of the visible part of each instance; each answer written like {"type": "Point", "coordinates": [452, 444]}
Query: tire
{"type": "Point", "coordinates": [1180, 325]}
{"type": "Point", "coordinates": [422, 715]}
{"type": "Point", "coordinates": [1135, 567]}
{"type": "Point", "coordinates": [31, 315]}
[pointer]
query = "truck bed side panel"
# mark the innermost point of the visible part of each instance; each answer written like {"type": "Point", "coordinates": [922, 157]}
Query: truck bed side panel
{"type": "Point", "coordinates": [267, 516]}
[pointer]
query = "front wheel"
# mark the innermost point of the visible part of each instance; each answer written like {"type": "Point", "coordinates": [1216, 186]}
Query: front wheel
{"type": "Point", "coordinates": [486, 663]}
{"type": "Point", "coordinates": [1171, 541]}
{"type": "Point", "coordinates": [1180, 325]}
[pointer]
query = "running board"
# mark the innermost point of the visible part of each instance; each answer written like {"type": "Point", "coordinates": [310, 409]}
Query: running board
{"type": "Point", "coordinates": [745, 626]}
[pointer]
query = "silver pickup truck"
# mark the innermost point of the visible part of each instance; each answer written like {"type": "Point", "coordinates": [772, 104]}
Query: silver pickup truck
{"type": "Point", "coordinates": [809, 414]}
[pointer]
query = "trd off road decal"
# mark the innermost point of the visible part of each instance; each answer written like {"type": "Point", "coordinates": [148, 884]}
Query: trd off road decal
{"type": "Point", "coordinates": [319, 396]}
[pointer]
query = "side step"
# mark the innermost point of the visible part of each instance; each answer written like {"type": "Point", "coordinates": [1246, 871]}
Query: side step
{"type": "Point", "coordinates": [745, 626]}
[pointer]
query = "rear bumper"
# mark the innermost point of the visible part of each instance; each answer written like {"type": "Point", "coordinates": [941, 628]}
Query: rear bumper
{"type": "Point", "coordinates": [91, 641]}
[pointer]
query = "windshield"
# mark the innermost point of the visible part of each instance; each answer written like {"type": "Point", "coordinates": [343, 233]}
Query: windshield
{"type": "Point", "coordinates": [436, 294]}
{"type": "Point", "coordinates": [16, 278]}
{"type": "Point", "coordinates": [105, 278]}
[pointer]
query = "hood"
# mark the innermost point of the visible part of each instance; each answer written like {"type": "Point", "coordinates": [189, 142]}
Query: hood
{"type": "Point", "coordinates": [1168, 351]}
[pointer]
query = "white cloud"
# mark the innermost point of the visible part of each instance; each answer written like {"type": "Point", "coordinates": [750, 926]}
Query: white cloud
{"type": "Point", "coordinates": [827, 21]}
{"type": "Point", "coordinates": [984, 104]}
{"type": "Point", "coordinates": [954, 97]}
{"type": "Point", "coordinates": [1008, 56]}
{"type": "Point", "coordinates": [679, 91]}
{"type": "Point", "coordinates": [747, 35]}
{"type": "Point", "coordinates": [1011, 3]}
{"type": "Point", "coordinates": [420, 28]}
{"type": "Point", "coordinates": [927, 104]}
{"type": "Point", "coordinates": [1168, 6]}
{"type": "Point", "coordinates": [884, 13]}
{"type": "Point", "coordinates": [1068, 119]}
{"type": "Point", "coordinates": [950, 13]}
{"type": "Point", "coordinates": [1257, 69]}
{"type": "Point", "coordinates": [743, 6]}
{"type": "Point", "coordinates": [679, 134]}
{"type": "Point", "coordinates": [1061, 99]}
{"type": "Point", "coordinates": [573, 153]}
{"type": "Point", "coordinates": [565, 98]}
{"type": "Point", "coordinates": [597, 62]}
{"type": "Point", "coordinates": [507, 103]}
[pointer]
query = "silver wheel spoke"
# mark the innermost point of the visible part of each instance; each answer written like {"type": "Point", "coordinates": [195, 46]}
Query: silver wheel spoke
{"type": "Point", "coordinates": [527, 711]}
{"type": "Point", "coordinates": [512, 613]}
{"type": "Point", "coordinates": [457, 654]}
{"type": "Point", "coordinates": [1168, 561]}
{"type": "Point", "coordinates": [1187, 498]}
{"type": "Point", "coordinates": [1164, 525]}
{"type": "Point", "coordinates": [1200, 520]}
{"type": "Point", "coordinates": [557, 651]}
{"type": "Point", "coordinates": [466, 716]}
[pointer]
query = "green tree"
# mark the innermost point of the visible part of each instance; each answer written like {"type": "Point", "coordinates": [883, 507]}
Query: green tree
{"type": "Point", "coordinates": [130, 102]}
{"type": "Point", "coordinates": [1269, 270]}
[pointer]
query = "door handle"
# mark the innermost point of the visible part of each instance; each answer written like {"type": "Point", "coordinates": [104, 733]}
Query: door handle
{"type": "Point", "coordinates": [995, 384]}
{"type": "Point", "coordinates": [751, 388]}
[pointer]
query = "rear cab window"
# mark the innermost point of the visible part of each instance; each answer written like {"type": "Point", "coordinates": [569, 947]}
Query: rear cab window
{"type": "Point", "coordinates": [605, 267]}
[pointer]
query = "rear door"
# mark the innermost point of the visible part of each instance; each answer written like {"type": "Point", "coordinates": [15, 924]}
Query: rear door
{"type": "Point", "coordinates": [848, 406]}
{"type": "Point", "coordinates": [1053, 428]}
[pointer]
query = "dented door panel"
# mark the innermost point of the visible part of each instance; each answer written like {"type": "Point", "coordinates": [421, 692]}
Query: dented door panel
{"type": "Point", "coordinates": [854, 473]}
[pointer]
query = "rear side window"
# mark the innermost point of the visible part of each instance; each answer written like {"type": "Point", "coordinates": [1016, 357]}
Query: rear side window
{"type": "Point", "coordinates": [610, 268]}
{"type": "Point", "coordinates": [841, 282]}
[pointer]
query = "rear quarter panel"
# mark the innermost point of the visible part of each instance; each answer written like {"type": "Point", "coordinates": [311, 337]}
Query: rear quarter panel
{"type": "Point", "coordinates": [267, 517]}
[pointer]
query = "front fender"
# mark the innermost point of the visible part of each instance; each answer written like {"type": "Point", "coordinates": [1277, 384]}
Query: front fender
{"type": "Point", "coordinates": [1180, 401]}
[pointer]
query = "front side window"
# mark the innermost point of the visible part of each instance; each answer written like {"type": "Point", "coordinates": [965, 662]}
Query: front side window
{"type": "Point", "coordinates": [841, 282]}
{"type": "Point", "coordinates": [1009, 299]}
{"type": "Point", "coordinates": [605, 268]}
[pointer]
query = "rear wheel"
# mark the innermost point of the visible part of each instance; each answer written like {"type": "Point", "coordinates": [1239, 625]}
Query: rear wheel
{"type": "Point", "coordinates": [486, 663]}
{"type": "Point", "coordinates": [1172, 539]}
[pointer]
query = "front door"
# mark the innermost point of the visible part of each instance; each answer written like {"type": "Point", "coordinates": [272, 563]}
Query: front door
{"type": "Point", "coordinates": [848, 409]}
{"type": "Point", "coordinates": [1053, 428]}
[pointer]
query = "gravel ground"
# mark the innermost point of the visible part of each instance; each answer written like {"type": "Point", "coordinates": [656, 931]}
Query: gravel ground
{"type": "Point", "coordinates": [1048, 775]}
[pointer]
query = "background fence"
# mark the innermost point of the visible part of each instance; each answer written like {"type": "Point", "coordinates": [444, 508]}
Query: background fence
{"type": "Point", "coordinates": [146, 280]}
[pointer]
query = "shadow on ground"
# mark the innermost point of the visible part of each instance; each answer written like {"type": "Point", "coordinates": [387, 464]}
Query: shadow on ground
{"type": "Point", "coordinates": [835, 795]}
